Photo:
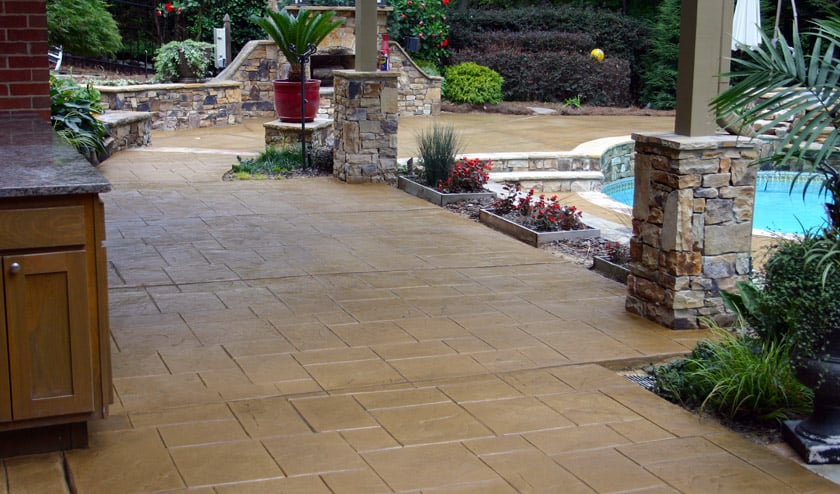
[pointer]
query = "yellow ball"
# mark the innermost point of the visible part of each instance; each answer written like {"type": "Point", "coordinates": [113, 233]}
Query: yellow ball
{"type": "Point", "coordinates": [597, 54]}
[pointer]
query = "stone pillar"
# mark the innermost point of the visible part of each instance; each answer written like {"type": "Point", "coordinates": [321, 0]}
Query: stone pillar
{"type": "Point", "coordinates": [692, 226]}
{"type": "Point", "coordinates": [366, 120]}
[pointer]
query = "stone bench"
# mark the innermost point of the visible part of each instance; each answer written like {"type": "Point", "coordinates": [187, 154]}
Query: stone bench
{"type": "Point", "coordinates": [128, 129]}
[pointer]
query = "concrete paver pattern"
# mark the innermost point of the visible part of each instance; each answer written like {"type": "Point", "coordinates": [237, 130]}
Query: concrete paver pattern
{"type": "Point", "coordinates": [309, 336]}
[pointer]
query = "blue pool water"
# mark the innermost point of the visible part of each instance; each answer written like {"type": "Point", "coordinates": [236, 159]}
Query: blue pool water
{"type": "Point", "coordinates": [777, 209]}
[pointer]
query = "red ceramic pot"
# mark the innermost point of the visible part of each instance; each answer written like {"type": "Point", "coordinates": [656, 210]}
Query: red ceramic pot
{"type": "Point", "coordinates": [287, 99]}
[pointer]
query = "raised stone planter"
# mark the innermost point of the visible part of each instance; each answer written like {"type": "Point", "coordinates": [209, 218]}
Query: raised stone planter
{"type": "Point", "coordinates": [610, 269]}
{"type": "Point", "coordinates": [319, 133]}
{"type": "Point", "coordinates": [437, 197]}
{"type": "Point", "coordinates": [532, 237]}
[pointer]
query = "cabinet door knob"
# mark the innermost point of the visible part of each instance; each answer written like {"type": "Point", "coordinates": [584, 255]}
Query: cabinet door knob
{"type": "Point", "coordinates": [14, 268]}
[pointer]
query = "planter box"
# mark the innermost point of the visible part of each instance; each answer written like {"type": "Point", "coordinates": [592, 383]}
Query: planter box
{"type": "Point", "coordinates": [529, 236]}
{"type": "Point", "coordinates": [435, 196]}
{"type": "Point", "coordinates": [610, 269]}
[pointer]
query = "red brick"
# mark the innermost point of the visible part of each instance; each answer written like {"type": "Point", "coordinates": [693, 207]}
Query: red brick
{"type": "Point", "coordinates": [25, 6]}
{"type": "Point", "coordinates": [14, 47]}
{"type": "Point", "coordinates": [37, 21]}
{"type": "Point", "coordinates": [29, 62]}
{"type": "Point", "coordinates": [16, 75]}
{"type": "Point", "coordinates": [27, 34]}
{"type": "Point", "coordinates": [30, 89]}
{"type": "Point", "coordinates": [14, 21]}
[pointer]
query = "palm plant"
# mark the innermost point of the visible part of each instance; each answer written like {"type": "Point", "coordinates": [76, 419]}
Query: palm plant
{"type": "Point", "coordinates": [777, 83]}
{"type": "Point", "coordinates": [297, 35]}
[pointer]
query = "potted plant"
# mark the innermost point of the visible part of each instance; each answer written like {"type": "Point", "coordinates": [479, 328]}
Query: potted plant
{"type": "Point", "coordinates": [182, 61]}
{"type": "Point", "coordinates": [297, 37]}
{"type": "Point", "coordinates": [777, 83]}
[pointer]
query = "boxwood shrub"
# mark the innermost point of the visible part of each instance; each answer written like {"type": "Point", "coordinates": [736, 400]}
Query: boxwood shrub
{"type": "Point", "coordinates": [471, 83]}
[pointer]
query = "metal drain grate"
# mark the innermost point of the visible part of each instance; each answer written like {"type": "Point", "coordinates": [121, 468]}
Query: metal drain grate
{"type": "Point", "coordinates": [642, 380]}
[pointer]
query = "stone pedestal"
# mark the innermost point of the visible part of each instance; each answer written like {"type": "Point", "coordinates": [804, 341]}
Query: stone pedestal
{"type": "Point", "coordinates": [319, 133]}
{"type": "Point", "coordinates": [692, 226]}
{"type": "Point", "coordinates": [366, 120]}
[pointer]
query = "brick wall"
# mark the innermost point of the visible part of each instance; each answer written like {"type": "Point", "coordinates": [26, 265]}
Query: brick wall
{"type": "Point", "coordinates": [24, 66]}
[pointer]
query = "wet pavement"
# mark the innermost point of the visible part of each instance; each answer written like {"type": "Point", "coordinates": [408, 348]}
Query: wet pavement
{"type": "Point", "coordinates": [310, 336]}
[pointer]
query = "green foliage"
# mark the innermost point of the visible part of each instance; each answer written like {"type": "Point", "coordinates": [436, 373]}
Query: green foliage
{"type": "Point", "coordinates": [778, 84]}
{"type": "Point", "coordinates": [472, 83]}
{"type": "Point", "coordinates": [659, 75]}
{"type": "Point", "coordinates": [296, 34]}
{"type": "Point", "coordinates": [430, 68]}
{"type": "Point", "coordinates": [437, 148]}
{"type": "Point", "coordinates": [168, 57]}
{"type": "Point", "coordinates": [573, 102]}
{"type": "Point", "coordinates": [272, 162]}
{"type": "Point", "coordinates": [83, 27]}
{"type": "Point", "coordinates": [737, 376]}
{"type": "Point", "coordinates": [799, 298]}
{"type": "Point", "coordinates": [211, 13]}
{"type": "Point", "coordinates": [537, 67]}
{"type": "Point", "coordinates": [426, 20]}
{"type": "Point", "coordinates": [73, 110]}
{"type": "Point", "coordinates": [557, 76]}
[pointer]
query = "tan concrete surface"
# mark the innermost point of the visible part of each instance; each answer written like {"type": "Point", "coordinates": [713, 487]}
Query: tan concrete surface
{"type": "Point", "coordinates": [310, 336]}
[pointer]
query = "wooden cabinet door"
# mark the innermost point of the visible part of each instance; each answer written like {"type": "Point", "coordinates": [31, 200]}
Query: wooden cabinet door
{"type": "Point", "coordinates": [5, 394]}
{"type": "Point", "coordinates": [48, 333]}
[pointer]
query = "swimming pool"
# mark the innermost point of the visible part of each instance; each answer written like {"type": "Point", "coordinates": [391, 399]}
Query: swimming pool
{"type": "Point", "coordinates": [777, 209]}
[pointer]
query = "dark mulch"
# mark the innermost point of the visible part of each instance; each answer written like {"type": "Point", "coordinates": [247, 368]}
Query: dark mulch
{"type": "Point", "coordinates": [524, 108]}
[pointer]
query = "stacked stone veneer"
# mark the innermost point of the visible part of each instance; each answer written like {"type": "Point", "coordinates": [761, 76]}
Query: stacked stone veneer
{"type": "Point", "coordinates": [366, 121]}
{"type": "Point", "coordinates": [617, 162]}
{"type": "Point", "coordinates": [692, 226]}
{"type": "Point", "coordinates": [179, 106]}
{"type": "Point", "coordinates": [419, 92]}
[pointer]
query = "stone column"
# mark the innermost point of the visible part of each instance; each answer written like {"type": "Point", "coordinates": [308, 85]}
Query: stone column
{"type": "Point", "coordinates": [692, 226]}
{"type": "Point", "coordinates": [366, 121]}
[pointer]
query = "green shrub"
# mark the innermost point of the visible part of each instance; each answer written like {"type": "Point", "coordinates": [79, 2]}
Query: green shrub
{"type": "Point", "coordinates": [83, 27]}
{"type": "Point", "coordinates": [437, 148]}
{"type": "Point", "coordinates": [736, 376]}
{"type": "Point", "coordinates": [472, 83]}
{"type": "Point", "coordinates": [73, 111]}
{"type": "Point", "coordinates": [621, 37]}
{"type": "Point", "coordinates": [430, 68]}
{"type": "Point", "coordinates": [556, 76]}
{"type": "Point", "coordinates": [272, 162]}
{"type": "Point", "coordinates": [659, 75]}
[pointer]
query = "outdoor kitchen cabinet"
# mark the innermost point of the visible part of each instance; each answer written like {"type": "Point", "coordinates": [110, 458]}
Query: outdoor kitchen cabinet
{"type": "Point", "coordinates": [54, 349]}
{"type": "Point", "coordinates": [55, 368]}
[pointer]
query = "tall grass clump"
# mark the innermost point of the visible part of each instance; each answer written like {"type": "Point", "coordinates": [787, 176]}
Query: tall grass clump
{"type": "Point", "coordinates": [437, 148]}
{"type": "Point", "coordinates": [737, 376]}
{"type": "Point", "coordinates": [270, 163]}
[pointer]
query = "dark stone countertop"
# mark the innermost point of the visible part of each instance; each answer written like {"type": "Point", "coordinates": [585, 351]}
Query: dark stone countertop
{"type": "Point", "coordinates": [33, 162]}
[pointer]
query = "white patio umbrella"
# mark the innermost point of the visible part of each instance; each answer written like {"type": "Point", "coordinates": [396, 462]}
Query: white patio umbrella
{"type": "Point", "coordinates": [746, 26]}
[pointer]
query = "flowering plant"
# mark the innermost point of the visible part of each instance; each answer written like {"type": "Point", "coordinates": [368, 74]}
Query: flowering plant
{"type": "Point", "coordinates": [617, 253]}
{"type": "Point", "coordinates": [168, 17]}
{"type": "Point", "coordinates": [538, 213]}
{"type": "Point", "coordinates": [426, 20]}
{"type": "Point", "coordinates": [467, 175]}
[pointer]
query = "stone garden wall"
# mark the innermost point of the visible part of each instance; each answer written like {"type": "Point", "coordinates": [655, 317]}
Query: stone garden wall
{"type": "Point", "coordinates": [179, 106]}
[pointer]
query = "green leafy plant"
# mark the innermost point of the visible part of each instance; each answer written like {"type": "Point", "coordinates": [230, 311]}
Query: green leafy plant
{"type": "Point", "coordinates": [83, 27]}
{"type": "Point", "coordinates": [573, 102]}
{"type": "Point", "coordinates": [168, 57]}
{"type": "Point", "coordinates": [430, 68]}
{"type": "Point", "coordinates": [467, 175]}
{"type": "Point", "coordinates": [659, 68]}
{"type": "Point", "coordinates": [472, 83]}
{"type": "Point", "coordinates": [272, 162]}
{"type": "Point", "coordinates": [437, 148]}
{"type": "Point", "coordinates": [428, 21]}
{"type": "Point", "coordinates": [737, 376]}
{"type": "Point", "coordinates": [73, 110]}
{"type": "Point", "coordinates": [777, 83]}
{"type": "Point", "coordinates": [294, 35]}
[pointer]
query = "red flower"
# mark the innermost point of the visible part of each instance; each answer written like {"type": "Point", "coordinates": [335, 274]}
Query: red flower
{"type": "Point", "coordinates": [169, 7]}
{"type": "Point", "coordinates": [445, 43]}
{"type": "Point", "coordinates": [402, 16]}
{"type": "Point", "coordinates": [445, 2]}
{"type": "Point", "coordinates": [159, 13]}
{"type": "Point", "coordinates": [408, 3]}
{"type": "Point", "coordinates": [180, 10]}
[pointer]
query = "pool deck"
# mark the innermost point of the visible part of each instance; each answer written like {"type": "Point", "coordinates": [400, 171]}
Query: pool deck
{"type": "Point", "coordinates": [310, 336]}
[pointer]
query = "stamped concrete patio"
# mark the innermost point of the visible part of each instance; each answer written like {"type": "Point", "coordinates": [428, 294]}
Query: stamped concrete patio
{"type": "Point", "coordinates": [308, 336]}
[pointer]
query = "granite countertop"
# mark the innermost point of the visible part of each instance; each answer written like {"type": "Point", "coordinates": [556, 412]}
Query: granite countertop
{"type": "Point", "coordinates": [44, 168]}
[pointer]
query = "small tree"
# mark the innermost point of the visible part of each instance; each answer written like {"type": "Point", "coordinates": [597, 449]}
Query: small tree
{"type": "Point", "coordinates": [83, 27]}
{"type": "Point", "coordinates": [659, 78]}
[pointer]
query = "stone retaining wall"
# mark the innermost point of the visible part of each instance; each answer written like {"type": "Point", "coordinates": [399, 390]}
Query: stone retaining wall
{"type": "Point", "coordinates": [179, 106]}
{"type": "Point", "coordinates": [617, 161]}
{"type": "Point", "coordinates": [128, 129]}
